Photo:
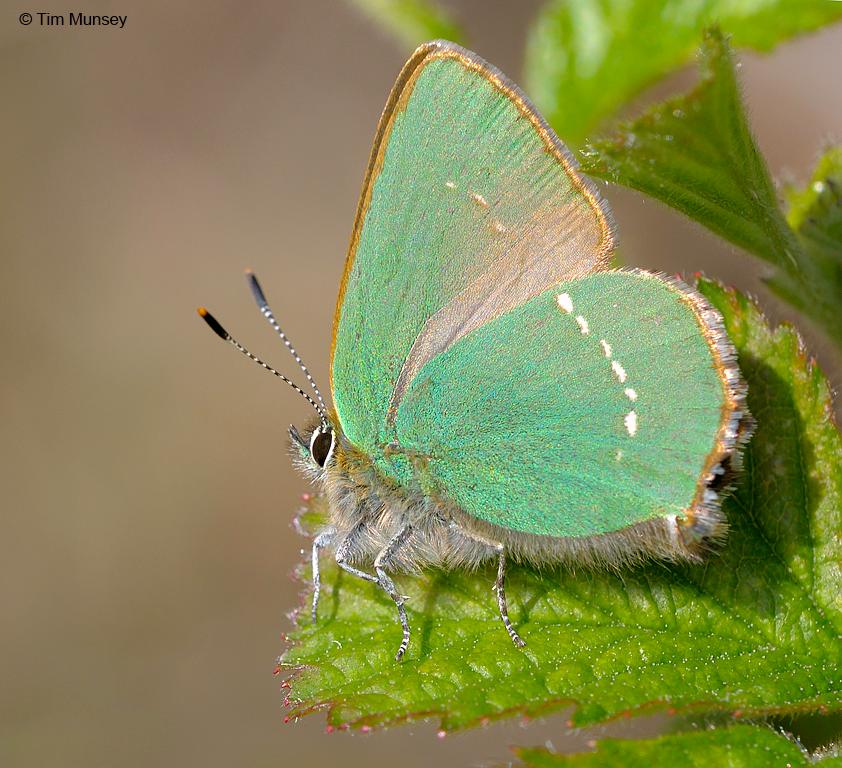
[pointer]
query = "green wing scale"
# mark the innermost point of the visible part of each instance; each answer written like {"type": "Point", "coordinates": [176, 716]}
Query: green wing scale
{"type": "Point", "coordinates": [483, 351]}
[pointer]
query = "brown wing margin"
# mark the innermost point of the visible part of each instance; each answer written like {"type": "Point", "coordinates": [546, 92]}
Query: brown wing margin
{"type": "Point", "coordinates": [400, 93]}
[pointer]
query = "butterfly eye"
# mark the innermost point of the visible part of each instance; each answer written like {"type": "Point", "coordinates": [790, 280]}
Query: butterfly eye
{"type": "Point", "coordinates": [321, 446]}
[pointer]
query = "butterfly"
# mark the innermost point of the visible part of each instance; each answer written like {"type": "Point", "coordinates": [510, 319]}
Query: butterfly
{"type": "Point", "coordinates": [499, 391]}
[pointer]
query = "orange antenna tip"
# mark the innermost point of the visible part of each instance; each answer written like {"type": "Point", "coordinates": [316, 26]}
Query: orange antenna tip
{"type": "Point", "coordinates": [214, 324]}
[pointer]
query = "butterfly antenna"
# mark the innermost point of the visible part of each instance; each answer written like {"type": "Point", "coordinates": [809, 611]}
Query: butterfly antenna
{"type": "Point", "coordinates": [217, 328]}
{"type": "Point", "coordinates": [266, 311]}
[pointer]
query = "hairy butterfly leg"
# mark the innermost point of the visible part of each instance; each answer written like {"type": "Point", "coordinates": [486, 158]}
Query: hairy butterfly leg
{"type": "Point", "coordinates": [320, 542]}
{"type": "Point", "coordinates": [383, 561]}
{"type": "Point", "coordinates": [345, 551]}
{"type": "Point", "coordinates": [500, 584]}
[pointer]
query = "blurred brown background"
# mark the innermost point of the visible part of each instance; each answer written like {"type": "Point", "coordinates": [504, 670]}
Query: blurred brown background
{"type": "Point", "coordinates": [147, 495]}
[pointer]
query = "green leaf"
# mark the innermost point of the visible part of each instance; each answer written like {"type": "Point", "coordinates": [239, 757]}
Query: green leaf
{"type": "Point", "coordinates": [696, 154]}
{"type": "Point", "coordinates": [815, 212]}
{"type": "Point", "coordinates": [815, 215]}
{"type": "Point", "coordinates": [741, 746]}
{"type": "Point", "coordinates": [412, 22]}
{"type": "Point", "coordinates": [754, 630]}
{"type": "Point", "coordinates": [586, 59]}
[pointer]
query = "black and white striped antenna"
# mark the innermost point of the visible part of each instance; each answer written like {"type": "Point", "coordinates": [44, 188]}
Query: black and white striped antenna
{"type": "Point", "coordinates": [217, 328]}
{"type": "Point", "coordinates": [266, 311]}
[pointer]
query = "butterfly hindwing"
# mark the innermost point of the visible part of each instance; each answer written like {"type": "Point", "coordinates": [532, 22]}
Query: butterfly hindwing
{"type": "Point", "coordinates": [470, 207]}
{"type": "Point", "coordinates": [592, 407]}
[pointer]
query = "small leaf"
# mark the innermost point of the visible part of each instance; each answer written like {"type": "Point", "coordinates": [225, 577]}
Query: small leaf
{"type": "Point", "coordinates": [696, 154]}
{"type": "Point", "coordinates": [412, 22]}
{"type": "Point", "coordinates": [815, 214]}
{"type": "Point", "coordinates": [741, 746]}
{"type": "Point", "coordinates": [753, 630]}
{"type": "Point", "coordinates": [586, 59]}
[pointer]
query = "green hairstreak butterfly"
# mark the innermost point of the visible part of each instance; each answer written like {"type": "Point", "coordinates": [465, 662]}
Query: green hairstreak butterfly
{"type": "Point", "coordinates": [499, 390]}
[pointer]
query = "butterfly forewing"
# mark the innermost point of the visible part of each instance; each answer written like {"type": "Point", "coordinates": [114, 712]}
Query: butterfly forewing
{"type": "Point", "coordinates": [471, 207]}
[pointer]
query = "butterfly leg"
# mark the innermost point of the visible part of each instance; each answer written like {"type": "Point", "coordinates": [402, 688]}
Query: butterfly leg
{"type": "Point", "coordinates": [499, 584]}
{"type": "Point", "coordinates": [319, 543]}
{"type": "Point", "coordinates": [343, 554]}
{"type": "Point", "coordinates": [383, 561]}
{"type": "Point", "coordinates": [500, 588]}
